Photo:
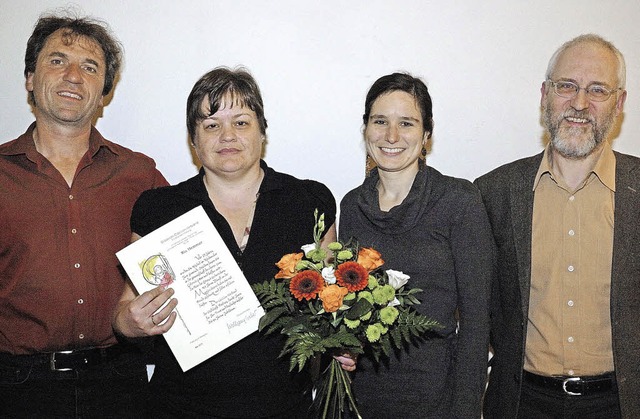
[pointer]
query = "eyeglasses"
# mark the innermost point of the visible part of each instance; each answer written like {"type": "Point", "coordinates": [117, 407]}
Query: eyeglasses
{"type": "Point", "coordinates": [569, 90]}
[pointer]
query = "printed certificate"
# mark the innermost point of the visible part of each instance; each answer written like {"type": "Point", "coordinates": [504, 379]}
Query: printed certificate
{"type": "Point", "coordinates": [216, 306]}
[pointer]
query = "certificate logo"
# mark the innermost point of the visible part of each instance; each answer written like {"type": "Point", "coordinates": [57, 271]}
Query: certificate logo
{"type": "Point", "coordinates": [156, 270]}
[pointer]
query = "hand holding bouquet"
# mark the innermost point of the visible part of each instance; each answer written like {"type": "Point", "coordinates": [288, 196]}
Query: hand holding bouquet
{"type": "Point", "coordinates": [338, 300]}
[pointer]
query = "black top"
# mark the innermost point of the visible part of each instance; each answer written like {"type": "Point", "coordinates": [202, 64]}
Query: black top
{"type": "Point", "coordinates": [247, 379]}
{"type": "Point", "coordinates": [439, 236]}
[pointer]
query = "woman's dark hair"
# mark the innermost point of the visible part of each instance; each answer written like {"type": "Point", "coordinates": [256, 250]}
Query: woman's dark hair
{"type": "Point", "coordinates": [407, 83]}
{"type": "Point", "coordinates": [74, 27]}
{"type": "Point", "coordinates": [214, 86]}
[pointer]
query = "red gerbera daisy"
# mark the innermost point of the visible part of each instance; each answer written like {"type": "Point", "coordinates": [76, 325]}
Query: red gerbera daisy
{"type": "Point", "coordinates": [306, 284]}
{"type": "Point", "coordinates": [352, 276]}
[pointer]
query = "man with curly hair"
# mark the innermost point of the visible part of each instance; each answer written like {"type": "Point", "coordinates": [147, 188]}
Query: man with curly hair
{"type": "Point", "coordinates": [66, 195]}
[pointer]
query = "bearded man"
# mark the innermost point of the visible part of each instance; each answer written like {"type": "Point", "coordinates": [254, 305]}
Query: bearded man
{"type": "Point", "coordinates": [565, 302]}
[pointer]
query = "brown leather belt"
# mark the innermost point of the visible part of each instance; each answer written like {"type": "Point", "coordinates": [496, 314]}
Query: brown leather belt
{"type": "Point", "coordinates": [573, 386]}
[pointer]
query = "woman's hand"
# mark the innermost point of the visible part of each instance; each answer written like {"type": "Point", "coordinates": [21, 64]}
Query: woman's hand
{"type": "Point", "coordinates": [138, 316]}
{"type": "Point", "coordinates": [347, 360]}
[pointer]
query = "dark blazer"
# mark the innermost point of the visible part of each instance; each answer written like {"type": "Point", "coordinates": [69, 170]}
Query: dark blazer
{"type": "Point", "coordinates": [507, 193]}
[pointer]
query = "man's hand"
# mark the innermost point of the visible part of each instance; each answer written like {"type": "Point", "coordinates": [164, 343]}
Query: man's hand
{"type": "Point", "coordinates": [138, 316]}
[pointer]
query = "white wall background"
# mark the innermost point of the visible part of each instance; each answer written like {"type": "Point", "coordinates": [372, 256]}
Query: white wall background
{"type": "Point", "coordinates": [483, 61]}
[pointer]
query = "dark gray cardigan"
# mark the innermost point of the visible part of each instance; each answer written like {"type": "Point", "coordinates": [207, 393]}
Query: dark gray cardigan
{"type": "Point", "coordinates": [440, 236]}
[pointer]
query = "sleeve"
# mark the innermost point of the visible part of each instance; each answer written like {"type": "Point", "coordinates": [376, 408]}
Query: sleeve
{"type": "Point", "coordinates": [148, 178]}
{"type": "Point", "coordinates": [496, 312]}
{"type": "Point", "coordinates": [142, 214]}
{"type": "Point", "coordinates": [147, 171]}
{"type": "Point", "coordinates": [158, 179]}
{"type": "Point", "coordinates": [323, 200]}
{"type": "Point", "coordinates": [473, 253]}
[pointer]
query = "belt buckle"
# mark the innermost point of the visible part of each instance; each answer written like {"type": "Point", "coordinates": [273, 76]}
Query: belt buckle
{"type": "Point", "coordinates": [52, 361]}
{"type": "Point", "coordinates": [564, 386]}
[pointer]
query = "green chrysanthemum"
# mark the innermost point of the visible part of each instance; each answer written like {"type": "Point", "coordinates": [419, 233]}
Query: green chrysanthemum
{"type": "Point", "coordinates": [388, 315]}
{"type": "Point", "coordinates": [335, 246]}
{"type": "Point", "coordinates": [344, 255]}
{"type": "Point", "coordinates": [365, 317]}
{"type": "Point", "coordinates": [366, 295]}
{"type": "Point", "coordinates": [351, 324]}
{"type": "Point", "coordinates": [384, 294]}
{"type": "Point", "coordinates": [373, 333]}
{"type": "Point", "coordinates": [317, 255]}
{"type": "Point", "coordinates": [304, 264]}
{"type": "Point", "coordinates": [373, 282]}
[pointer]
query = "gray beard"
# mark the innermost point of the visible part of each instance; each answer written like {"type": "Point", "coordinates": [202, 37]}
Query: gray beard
{"type": "Point", "coordinates": [562, 139]}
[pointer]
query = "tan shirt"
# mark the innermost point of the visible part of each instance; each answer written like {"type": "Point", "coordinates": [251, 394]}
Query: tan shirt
{"type": "Point", "coordinates": [569, 325]}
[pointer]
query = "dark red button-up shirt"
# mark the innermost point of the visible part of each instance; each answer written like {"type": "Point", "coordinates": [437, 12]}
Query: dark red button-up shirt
{"type": "Point", "coordinates": [59, 277]}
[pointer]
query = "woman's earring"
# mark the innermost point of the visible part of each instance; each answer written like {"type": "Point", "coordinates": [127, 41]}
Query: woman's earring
{"type": "Point", "coordinates": [369, 165]}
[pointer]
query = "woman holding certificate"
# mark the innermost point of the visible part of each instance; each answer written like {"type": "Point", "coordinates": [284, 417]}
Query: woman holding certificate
{"type": "Point", "coordinates": [433, 228]}
{"type": "Point", "coordinates": [261, 214]}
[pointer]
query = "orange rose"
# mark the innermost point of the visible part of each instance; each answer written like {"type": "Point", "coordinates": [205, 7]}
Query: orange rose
{"type": "Point", "coordinates": [288, 264]}
{"type": "Point", "coordinates": [369, 258]}
{"type": "Point", "coordinates": [331, 297]}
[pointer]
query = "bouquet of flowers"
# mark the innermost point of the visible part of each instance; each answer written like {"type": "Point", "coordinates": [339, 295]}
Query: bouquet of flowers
{"type": "Point", "coordinates": [340, 300]}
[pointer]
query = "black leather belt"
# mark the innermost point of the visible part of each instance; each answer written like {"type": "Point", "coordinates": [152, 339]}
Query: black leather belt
{"type": "Point", "coordinates": [65, 360]}
{"type": "Point", "coordinates": [573, 386]}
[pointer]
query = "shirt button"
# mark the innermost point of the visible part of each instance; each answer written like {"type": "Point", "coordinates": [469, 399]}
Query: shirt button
{"type": "Point", "coordinates": [77, 265]}
{"type": "Point", "coordinates": [572, 233]}
{"type": "Point", "coordinates": [570, 339]}
{"type": "Point", "coordinates": [70, 196]}
{"type": "Point", "coordinates": [570, 268]}
{"type": "Point", "coordinates": [74, 231]}
{"type": "Point", "coordinates": [572, 198]}
{"type": "Point", "coordinates": [570, 303]}
{"type": "Point", "coordinates": [571, 372]}
{"type": "Point", "coordinates": [80, 301]}
{"type": "Point", "coordinates": [81, 336]}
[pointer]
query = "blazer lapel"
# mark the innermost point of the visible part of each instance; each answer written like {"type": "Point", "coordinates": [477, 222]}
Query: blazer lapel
{"type": "Point", "coordinates": [521, 186]}
{"type": "Point", "coordinates": [626, 231]}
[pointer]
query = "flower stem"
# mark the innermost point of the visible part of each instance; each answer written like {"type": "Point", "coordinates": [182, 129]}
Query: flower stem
{"type": "Point", "coordinates": [329, 383]}
{"type": "Point", "coordinates": [333, 389]}
{"type": "Point", "coordinates": [344, 375]}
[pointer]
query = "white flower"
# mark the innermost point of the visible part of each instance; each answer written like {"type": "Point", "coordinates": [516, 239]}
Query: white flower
{"type": "Point", "coordinates": [329, 275]}
{"type": "Point", "coordinates": [394, 302]}
{"type": "Point", "coordinates": [397, 279]}
{"type": "Point", "coordinates": [307, 248]}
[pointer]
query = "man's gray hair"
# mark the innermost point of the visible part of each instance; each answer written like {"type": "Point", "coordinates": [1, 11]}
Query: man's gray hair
{"type": "Point", "coordinates": [594, 39]}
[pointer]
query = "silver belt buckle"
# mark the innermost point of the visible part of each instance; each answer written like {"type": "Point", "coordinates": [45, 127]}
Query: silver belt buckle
{"type": "Point", "coordinates": [564, 386]}
{"type": "Point", "coordinates": [52, 361]}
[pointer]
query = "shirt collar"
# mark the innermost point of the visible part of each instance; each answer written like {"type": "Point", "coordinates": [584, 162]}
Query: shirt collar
{"type": "Point", "coordinates": [604, 169]}
{"type": "Point", "coordinates": [194, 187]}
{"type": "Point", "coordinates": [270, 181]}
{"type": "Point", "coordinates": [24, 144]}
